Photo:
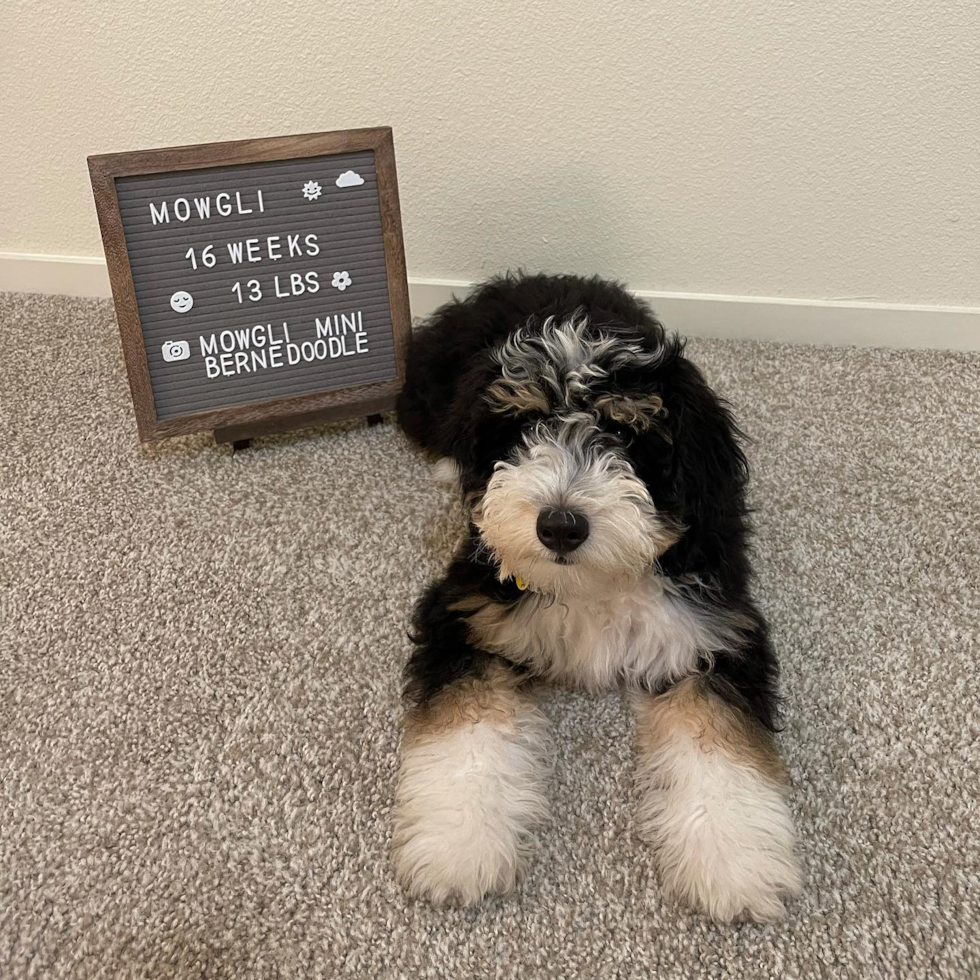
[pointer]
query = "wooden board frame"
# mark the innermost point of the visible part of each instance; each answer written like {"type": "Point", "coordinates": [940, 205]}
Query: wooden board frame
{"type": "Point", "coordinates": [276, 414]}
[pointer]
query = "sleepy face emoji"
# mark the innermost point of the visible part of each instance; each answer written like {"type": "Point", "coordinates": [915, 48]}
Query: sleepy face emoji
{"type": "Point", "coordinates": [181, 301]}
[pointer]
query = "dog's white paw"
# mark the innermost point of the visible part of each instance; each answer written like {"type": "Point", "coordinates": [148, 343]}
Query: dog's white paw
{"type": "Point", "coordinates": [714, 804]}
{"type": "Point", "coordinates": [457, 862]}
{"type": "Point", "coordinates": [467, 804]}
{"type": "Point", "coordinates": [727, 848]}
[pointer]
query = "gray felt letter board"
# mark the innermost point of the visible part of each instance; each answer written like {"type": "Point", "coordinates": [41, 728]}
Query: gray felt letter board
{"type": "Point", "coordinates": [258, 285]}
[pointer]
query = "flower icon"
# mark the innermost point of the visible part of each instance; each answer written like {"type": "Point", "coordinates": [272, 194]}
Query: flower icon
{"type": "Point", "coordinates": [341, 280]}
{"type": "Point", "coordinates": [311, 190]}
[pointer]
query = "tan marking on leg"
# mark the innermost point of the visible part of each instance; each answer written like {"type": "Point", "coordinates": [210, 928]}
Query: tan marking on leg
{"type": "Point", "coordinates": [713, 725]}
{"type": "Point", "coordinates": [492, 698]}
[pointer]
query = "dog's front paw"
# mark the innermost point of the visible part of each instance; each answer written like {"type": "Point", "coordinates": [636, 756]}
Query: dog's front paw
{"type": "Point", "coordinates": [467, 805]}
{"type": "Point", "coordinates": [732, 858]}
{"type": "Point", "coordinates": [714, 804]}
{"type": "Point", "coordinates": [456, 861]}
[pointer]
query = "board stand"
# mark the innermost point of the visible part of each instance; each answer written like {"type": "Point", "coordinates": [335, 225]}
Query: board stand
{"type": "Point", "coordinates": [240, 436]}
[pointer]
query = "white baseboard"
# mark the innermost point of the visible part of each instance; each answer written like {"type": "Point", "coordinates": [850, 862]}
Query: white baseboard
{"type": "Point", "coordinates": [694, 314]}
{"type": "Point", "coordinates": [68, 275]}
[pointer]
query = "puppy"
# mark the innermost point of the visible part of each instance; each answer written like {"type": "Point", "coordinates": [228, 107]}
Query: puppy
{"type": "Point", "coordinates": [607, 545]}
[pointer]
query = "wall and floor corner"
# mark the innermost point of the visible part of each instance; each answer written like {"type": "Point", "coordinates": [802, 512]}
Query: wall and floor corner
{"type": "Point", "coordinates": [765, 169]}
{"type": "Point", "coordinates": [693, 314]}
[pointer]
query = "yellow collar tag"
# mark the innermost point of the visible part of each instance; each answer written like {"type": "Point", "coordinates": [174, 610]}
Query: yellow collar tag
{"type": "Point", "coordinates": [521, 583]}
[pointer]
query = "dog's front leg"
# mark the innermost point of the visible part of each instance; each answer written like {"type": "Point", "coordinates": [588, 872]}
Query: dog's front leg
{"type": "Point", "coordinates": [714, 803]}
{"type": "Point", "coordinates": [470, 794]}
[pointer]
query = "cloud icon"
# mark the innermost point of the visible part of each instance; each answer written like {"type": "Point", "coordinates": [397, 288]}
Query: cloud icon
{"type": "Point", "coordinates": [349, 179]}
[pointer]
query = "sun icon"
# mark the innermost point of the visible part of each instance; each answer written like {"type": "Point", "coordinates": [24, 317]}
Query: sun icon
{"type": "Point", "coordinates": [311, 190]}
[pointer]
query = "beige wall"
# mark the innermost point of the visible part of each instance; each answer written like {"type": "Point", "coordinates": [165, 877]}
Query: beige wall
{"type": "Point", "coordinates": [826, 149]}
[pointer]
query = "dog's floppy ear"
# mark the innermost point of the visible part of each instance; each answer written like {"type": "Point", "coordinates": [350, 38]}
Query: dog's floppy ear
{"type": "Point", "coordinates": [709, 467]}
{"type": "Point", "coordinates": [443, 353]}
{"type": "Point", "coordinates": [477, 435]}
{"type": "Point", "coordinates": [431, 378]}
{"type": "Point", "coordinates": [469, 412]}
{"type": "Point", "coordinates": [444, 408]}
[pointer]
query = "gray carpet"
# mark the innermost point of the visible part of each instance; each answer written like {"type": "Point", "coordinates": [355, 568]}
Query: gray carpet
{"type": "Point", "coordinates": [199, 662]}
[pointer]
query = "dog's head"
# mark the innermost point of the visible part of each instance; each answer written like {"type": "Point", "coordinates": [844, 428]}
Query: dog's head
{"type": "Point", "coordinates": [588, 451]}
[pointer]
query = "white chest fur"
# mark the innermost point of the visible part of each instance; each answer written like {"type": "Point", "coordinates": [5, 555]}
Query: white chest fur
{"type": "Point", "coordinates": [648, 634]}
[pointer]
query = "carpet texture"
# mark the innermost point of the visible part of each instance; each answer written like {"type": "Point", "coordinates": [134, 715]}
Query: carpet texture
{"type": "Point", "coordinates": [199, 689]}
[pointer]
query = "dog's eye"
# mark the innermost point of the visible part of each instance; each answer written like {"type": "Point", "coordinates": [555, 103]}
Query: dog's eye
{"type": "Point", "coordinates": [634, 412]}
{"type": "Point", "coordinates": [517, 397]}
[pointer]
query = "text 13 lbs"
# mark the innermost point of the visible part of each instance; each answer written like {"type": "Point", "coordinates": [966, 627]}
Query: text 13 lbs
{"type": "Point", "coordinates": [295, 285]}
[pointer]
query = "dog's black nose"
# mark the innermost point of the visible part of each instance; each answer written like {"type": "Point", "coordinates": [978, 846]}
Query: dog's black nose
{"type": "Point", "coordinates": [562, 531]}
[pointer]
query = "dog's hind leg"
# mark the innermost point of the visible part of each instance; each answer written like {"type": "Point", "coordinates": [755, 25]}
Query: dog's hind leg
{"type": "Point", "coordinates": [714, 803]}
{"type": "Point", "coordinates": [471, 792]}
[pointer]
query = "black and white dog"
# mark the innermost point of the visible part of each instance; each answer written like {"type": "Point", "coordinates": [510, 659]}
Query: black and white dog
{"type": "Point", "coordinates": [607, 544]}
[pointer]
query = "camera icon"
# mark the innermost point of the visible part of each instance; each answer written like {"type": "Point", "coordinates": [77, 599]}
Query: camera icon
{"type": "Point", "coordinates": [176, 350]}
